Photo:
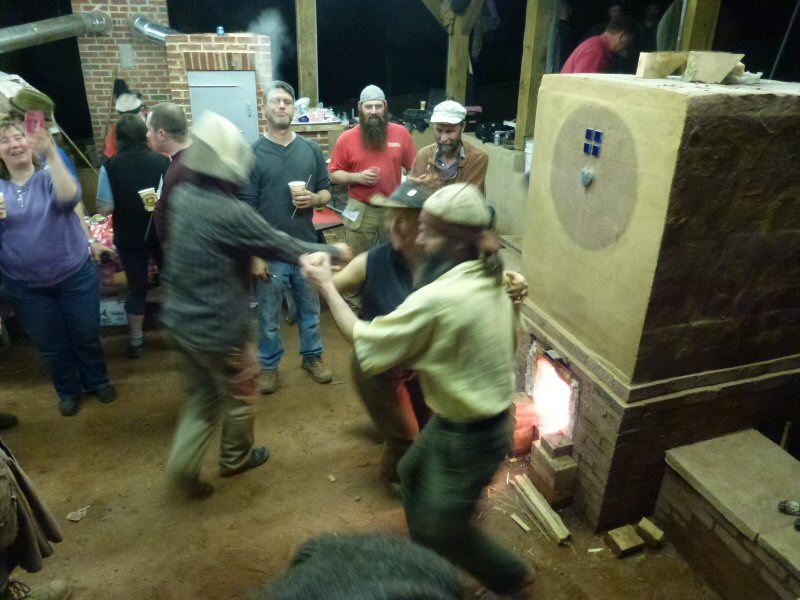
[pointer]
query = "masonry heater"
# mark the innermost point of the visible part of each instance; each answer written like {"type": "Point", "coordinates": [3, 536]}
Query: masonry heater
{"type": "Point", "coordinates": [661, 249]}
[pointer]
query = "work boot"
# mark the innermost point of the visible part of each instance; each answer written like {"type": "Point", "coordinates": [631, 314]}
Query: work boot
{"type": "Point", "coordinates": [523, 592]}
{"type": "Point", "coordinates": [269, 381]}
{"type": "Point", "coordinates": [258, 456]}
{"type": "Point", "coordinates": [68, 407]}
{"type": "Point", "coordinates": [52, 590]}
{"type": "Point", "coordinates": [319, 372]}
{"type": "Point", "coordinates": [106, 394]}
{"type": "Point", "coordinates": [7, 420]}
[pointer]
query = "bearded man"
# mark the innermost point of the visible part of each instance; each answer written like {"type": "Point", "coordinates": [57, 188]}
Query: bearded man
{"type": "Point", "coordinates": [450, 159]}
{"type": "Point", "coordinates": [368, 159]}
{"type": "Point", "coordinates": [458, 332]}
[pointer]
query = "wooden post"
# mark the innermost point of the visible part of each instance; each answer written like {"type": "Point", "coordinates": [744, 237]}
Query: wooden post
{"type": "Point", "coordinates": [700, 25]}
{"type": "Point", "coordinates": [307, 64]}
{"type": "Point", "coordinates": [538, 24]}
{"type": "Point", "coordinates": [458, 63]}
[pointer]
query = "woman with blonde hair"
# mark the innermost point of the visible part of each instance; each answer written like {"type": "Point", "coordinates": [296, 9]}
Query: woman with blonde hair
{"type": "Point", "coordinates": [48, 276]}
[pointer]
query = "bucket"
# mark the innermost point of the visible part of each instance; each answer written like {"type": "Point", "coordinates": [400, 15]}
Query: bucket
{"type": "Point", "coordinates": [528, 154]}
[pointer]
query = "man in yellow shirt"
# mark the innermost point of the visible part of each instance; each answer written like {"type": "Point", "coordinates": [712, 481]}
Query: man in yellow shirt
{"type": "Point", "coordinates": [458, 331]}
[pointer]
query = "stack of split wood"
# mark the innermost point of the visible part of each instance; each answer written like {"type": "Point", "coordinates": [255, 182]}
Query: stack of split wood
{"type": "Point", "coordinates": [631, 539]}
{"type": "Point", "coordinates": [703, 67]}
{"type": "Point", "coordinates": [537, 508]}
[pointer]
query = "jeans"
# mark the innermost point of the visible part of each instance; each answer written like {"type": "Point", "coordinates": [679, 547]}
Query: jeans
{"type": "Point", "coordinates": [442, 476]}
{"type": "Point", "coordinates": [136, 263]}
{"type": "Point", "coordinates": [270, 301]}
{"type": "Point", "coordinates": [222, 385]}
{"type": "Point", "coordinates": [63, 321]}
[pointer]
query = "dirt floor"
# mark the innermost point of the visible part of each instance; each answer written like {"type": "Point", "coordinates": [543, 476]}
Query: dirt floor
{"type": "Point", "coordinates": [138, 542]}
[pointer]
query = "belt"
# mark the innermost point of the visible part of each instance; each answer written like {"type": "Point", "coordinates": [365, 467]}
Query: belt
{"type": "Point", "coordinates": [472, 426]}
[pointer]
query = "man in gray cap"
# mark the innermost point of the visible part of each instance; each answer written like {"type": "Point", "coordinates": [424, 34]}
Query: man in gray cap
{"type": "Point", "coordinates": [368, 159]}
{"type": "Point", "coordinates": [207, 287]}
{"type": "Point", "coordinates": [458, 331]}
{"type": "Point", "coordinates": [450, 159]}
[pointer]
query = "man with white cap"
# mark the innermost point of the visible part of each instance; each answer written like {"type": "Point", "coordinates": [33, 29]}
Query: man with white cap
{"type": "Point", "coordinates": [368, 159]}
{"type": "Point", "coordinates": [450, 159]}
{"type": "Point", "coordinates": [458, 331]}
{"type": "Point", "coordinates": [207, 284]}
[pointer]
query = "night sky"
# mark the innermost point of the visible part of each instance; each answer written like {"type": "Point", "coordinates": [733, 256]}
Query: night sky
{"type": "Point", "coordinates": [396, 44]}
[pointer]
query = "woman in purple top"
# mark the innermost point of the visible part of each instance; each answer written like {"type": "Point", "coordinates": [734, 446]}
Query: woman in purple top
{"type": "Point", "coordinates": [48, 277]}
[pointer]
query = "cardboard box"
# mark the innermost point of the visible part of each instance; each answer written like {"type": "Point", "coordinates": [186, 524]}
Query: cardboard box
{"type": "Point", "coordinates": [112, 311]}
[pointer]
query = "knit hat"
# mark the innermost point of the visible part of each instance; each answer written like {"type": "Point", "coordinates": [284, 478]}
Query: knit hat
{"type": "Point", "coordinates": [128, 103]}
{"type": "Point", "coordinates": [372, 92]}
{"type": "Point", "coordinates": [219, 150]}
{"type": "Point", "coordinates": [449, 112]}
{"type": "Point", "coordinates": [29, 99]}
{"type": "Point", "coordinates": [407, 195]}
{"type": "Point", "coordinates": [459, 204]}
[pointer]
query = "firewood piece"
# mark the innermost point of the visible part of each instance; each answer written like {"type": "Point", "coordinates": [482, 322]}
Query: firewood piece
{"type": "Point", "coordinates": [518, 520]}
{"type": "Point", "coordinates": [710, 67]}
{"type": "Point", "coordinates": [623, 541]}
{"type": "Point", "coordinates": [557, 444]}
{"type": "Point", "coordinates": [541, 510]}
{"type": "Point", "coordinates": [648, 531]}
{"type": "Point", "coordinates": [658, 65]}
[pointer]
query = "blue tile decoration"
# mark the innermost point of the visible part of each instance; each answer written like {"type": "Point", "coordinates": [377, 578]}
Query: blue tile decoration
{"type": "Point", "coordinates": [594, 138]}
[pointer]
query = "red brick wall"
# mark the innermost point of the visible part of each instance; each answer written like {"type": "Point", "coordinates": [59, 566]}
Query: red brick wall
{"type": "Point", "coordinates": [210, 52]}
{"type": "Point", "coordinates": [100, 59]}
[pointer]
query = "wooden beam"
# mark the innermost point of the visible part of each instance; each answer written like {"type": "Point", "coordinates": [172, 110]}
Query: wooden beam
{"type": "Point", "coordinates": [458, 63]}
{"type": "Point", "coordinates": [538, 24]}
{"type": "Point", "coordinates": [700, 25]}
{"type": "Point", "coordinates": [436, 10]}
{"type": "Point", "coordinates": [307, 61]}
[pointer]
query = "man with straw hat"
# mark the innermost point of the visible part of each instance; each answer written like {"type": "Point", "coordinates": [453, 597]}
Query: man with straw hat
{"type": "Point", "coordinates": [289, 180]}
{"type": "Point", "coordinates": [207, 289]}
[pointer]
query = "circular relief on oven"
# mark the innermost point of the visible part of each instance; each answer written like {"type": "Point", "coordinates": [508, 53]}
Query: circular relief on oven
{"type": "Point", "coordinates": [594, 176]}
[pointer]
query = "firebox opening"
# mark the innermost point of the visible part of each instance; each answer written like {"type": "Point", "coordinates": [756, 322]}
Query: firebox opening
{"type": "Point", "coordinates": [552, 392]}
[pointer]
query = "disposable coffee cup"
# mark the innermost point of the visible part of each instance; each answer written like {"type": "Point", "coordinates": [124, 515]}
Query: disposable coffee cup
{"type": "Point", "coordinates": [297, 186]}
{"type": "Point", "coordinates": [149, 198]}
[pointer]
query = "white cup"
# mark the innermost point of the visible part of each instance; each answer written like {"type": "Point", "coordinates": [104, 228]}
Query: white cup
{"type": "Point", "coordinates": [296, 187]}
{"type": "Point", "coordinates": [149, 198]}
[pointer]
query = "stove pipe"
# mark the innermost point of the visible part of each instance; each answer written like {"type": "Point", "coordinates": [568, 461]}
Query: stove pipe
{"type": "Point", "coordinates": [50, 30]}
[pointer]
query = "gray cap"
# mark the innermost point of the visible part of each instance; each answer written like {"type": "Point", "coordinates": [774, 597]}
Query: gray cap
{"type": "Point", "coordinates": [407, 195]}
{"type": "Point", "coordinates": [372, 92]}
{"type": "Point", "coordinates": [460, 204]}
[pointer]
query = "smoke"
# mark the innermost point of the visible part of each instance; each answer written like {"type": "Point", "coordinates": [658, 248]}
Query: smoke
{"type": "Point", "coordinates": [271, 23]}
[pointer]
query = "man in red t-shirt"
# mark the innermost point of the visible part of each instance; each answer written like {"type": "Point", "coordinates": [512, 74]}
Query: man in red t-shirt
{"type": "Point", "coordinates": [596, 54]}
{"type": "Point", "coordinates": [368, 159]}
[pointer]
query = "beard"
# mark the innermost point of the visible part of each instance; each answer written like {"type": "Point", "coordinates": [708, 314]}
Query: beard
{"type": "Point", "coordinates": [448, 148]}
{"type": "Point", "coordinates": [374, 131]}
{"type": "Point", "coordinates": [433, 266]}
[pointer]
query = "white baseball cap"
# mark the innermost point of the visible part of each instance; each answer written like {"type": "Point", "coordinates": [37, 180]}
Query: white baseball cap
{"type": "Point", "coordinates": [449, 111]}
